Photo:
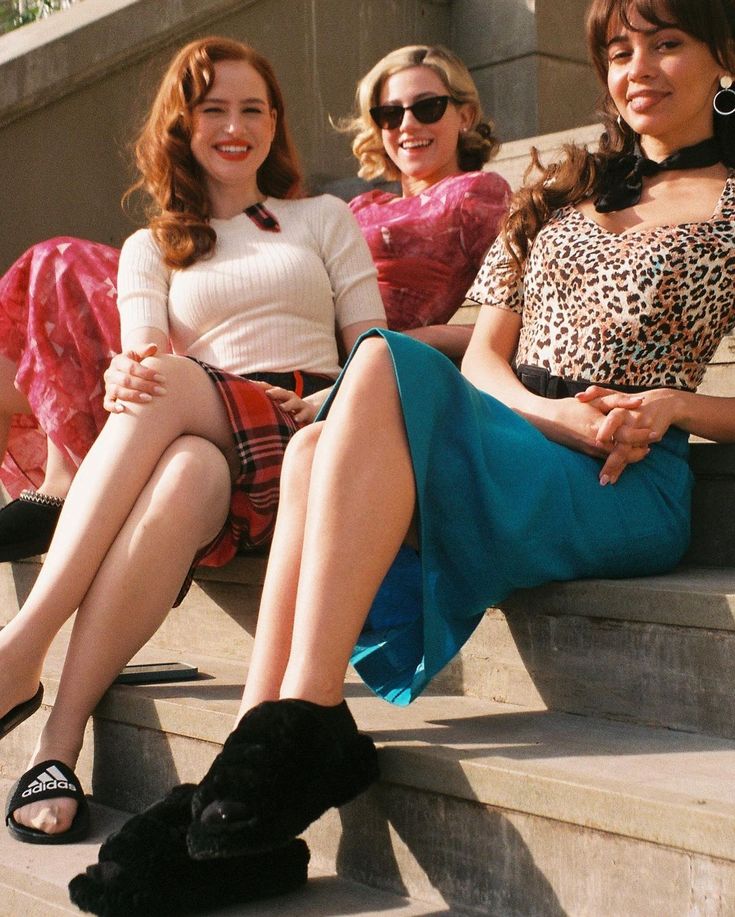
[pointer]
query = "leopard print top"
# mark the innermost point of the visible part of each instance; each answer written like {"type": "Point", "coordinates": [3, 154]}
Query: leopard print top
{"type": "Point", "coordinates": [645, 307]}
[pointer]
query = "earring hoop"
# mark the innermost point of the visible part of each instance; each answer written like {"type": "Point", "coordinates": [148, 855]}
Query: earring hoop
{"type": "Point", "coordinates": [724, 100]}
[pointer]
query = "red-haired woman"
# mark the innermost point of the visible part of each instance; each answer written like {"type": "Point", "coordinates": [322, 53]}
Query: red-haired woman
{"type": "Point", "coordinates": [236, 285]}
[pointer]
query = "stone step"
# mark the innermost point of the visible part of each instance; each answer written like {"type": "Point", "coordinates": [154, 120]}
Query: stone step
{"type": "Point", "coordinates": [507, 810]}
{"type": "Point", "coordinates": [34, 879]}
{"type": "Point", "coordinates": [656, 650]}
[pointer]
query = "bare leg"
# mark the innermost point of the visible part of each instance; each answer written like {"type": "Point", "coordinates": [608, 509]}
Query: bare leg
{"type": "Point", "coordinates": [275, 619]}
{"type": "Point", "coordinates": [60, 471]}
{"type": "Point", "coordinates": [182, 507]}
{"type": "Point", "coordinates": [104, 491]}
{"type": "Point", "coordinates": [361, 500]}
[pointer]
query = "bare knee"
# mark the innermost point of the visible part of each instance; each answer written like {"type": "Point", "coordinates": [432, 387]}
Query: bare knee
{"type": "Point", "coordinates": [368, 387]}
{"type": "Point", "coordinates": [193, 475]}
{"type": "Point", "coordinates": [299, 456]}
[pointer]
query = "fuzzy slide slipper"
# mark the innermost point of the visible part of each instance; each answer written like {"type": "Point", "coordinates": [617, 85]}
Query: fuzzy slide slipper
{"type": "Point", "coordinates": [144, 869]}
{"type": "Point", "coordinates": [283, 766]}
{"type": "Point", "coordinates": [48, 780]}
{"type": "Point", "coordinates": [20, 712]}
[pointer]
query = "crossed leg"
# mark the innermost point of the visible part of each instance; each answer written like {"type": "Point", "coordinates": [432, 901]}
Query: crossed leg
{"type": "Point", "coordinates": [153, 489]}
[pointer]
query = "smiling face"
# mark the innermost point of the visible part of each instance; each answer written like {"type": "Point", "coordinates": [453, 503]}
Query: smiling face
{"type": "Point", "coordinates": [423, 153]}
{"type": "Point", "coordinates": [232, 131]}
{"type": "Point", "coordinates": [662, 81]}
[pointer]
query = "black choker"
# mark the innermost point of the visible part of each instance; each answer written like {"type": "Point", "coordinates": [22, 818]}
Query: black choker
{"type": "Point", "coordinates": [621, 183]}
{"type": "Point", "coordinates": [262, 217]}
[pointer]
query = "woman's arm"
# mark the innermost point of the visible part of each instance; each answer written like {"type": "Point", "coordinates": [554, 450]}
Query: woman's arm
{"type": "Point", "coordinates": [569, 421]}
{"type": "Point", "coordinates": [128, 378]}
{"type": "Point", "coordinates": [451, 340]}
{"type": "Point", "coordinates": [143, 285]}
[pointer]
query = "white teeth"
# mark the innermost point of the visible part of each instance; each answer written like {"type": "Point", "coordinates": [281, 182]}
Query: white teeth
{"type": "Point", "coordinates": [233, 149]}
{"type": "Point", "coordinates": [415, 144]}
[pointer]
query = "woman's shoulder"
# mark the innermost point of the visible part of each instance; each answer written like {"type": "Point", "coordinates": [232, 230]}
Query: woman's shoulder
{"type": "Point", "coordinates": [140, 244]}
{"type": "Point", "coordinates": [368, 198]}
{"type": "Point", "coordinates": [478, 184]}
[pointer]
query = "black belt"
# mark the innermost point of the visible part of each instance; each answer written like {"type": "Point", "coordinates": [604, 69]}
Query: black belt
{"type": "Point", "coordinates": [539, 380]}
{"type": "Point", "coordinates": [299, 382]}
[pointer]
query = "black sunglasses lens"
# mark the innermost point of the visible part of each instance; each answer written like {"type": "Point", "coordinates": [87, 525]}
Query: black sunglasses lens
{"type": "Point", "coordinates": [429, 111]}
{"type": "Point", "coordinates": [387, 117]}
{"type": "Point", "coordinates": [426, 111]}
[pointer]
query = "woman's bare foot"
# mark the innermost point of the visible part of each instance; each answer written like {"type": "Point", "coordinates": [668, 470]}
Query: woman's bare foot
{"type": "Point", "coordinates": [52, 816]}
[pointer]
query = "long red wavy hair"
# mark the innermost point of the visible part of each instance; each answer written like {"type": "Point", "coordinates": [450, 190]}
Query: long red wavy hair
{"type": "Point", "coordinates": [178, 212]}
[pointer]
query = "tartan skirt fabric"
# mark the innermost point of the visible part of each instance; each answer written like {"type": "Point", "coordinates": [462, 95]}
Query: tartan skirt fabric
{"type": "Point", "coordinates": [261, 432]}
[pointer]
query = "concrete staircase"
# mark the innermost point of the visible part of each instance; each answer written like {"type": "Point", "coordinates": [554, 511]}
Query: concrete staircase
{"type": "Point", "coordinates": [578, 758]}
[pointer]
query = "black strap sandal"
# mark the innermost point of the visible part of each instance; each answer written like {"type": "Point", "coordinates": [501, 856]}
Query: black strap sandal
{"type": "Point", "coordinates": [48, 780]}
{"type": "Point", "coordinates": [144, 868]}
{"type": "Point", "coordinates": [27, 525]}
{"type": "Point", "coordinates": [283, 766]}
{"type": "Point", "coordinates": [20, 712]}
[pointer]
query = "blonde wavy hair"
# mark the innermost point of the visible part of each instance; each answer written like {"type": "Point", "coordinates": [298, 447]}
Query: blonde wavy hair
{"type": "Point", "coordinates": [475, 146]}
{"type": "Point", "coordinates": [178, 210]}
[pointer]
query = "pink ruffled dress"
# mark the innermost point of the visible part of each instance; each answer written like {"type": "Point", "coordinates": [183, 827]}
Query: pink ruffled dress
{"type": "Point", "coordinates": [59, 324]}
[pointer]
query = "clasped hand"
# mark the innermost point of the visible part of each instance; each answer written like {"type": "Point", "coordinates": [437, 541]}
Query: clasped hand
{"type": "Point", "coordinates": [627, 426]}
{"type": "Point", "coordinates": [128, 379]}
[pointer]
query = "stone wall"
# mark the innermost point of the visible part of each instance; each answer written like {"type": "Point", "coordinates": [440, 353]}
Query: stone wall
{"type": "Point", "coordinates": [73, 87]}
{"type": "Point", "coordinates": [529, 60]}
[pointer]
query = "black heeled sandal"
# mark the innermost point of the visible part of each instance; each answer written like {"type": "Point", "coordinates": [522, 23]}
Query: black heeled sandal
{"type": "Point", "coordinates": [27, 525]}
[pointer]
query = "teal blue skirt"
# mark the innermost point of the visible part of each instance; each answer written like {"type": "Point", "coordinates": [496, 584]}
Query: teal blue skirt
{"type": "Point", "coordinates": [500, 507]}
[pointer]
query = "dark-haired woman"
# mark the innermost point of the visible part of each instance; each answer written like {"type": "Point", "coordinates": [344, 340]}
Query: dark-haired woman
{"type": "Point", "coordinates": [247, 280]}
{"type": "Point", "coordinates": [559, 452]}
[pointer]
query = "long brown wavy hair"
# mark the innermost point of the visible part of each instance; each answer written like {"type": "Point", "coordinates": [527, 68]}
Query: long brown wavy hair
{"type": "Point", "coordinates": [178, 211]}
{"type": "Point", "coordinates": [475, 146]}
{"type": "Point", "coordinates": [575, 177]}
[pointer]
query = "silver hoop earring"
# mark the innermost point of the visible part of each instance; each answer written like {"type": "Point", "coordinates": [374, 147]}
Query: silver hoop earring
{"type": "Point", "coordinates": [724, 100]}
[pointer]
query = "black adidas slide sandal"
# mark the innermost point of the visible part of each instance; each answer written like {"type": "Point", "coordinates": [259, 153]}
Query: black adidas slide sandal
{"type": "Point", "coordinates": [20, 712]}
{"type": "Point", "coordinates": [48, 780]}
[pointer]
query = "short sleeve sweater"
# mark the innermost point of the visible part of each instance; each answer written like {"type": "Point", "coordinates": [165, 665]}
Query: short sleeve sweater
{"type": "Point", "coordinates": [644, 307]}
{"type": "Point", "coordinates": [428, 248]}
{"type": "Point", "coordinates": [264, 301]}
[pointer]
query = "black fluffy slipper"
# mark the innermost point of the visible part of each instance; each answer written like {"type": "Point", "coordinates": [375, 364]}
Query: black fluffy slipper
{"type": "Point", "coordinates": [144, 869]}
{"type": "Point", "coordinates": [48, 780]}
{"type": "Point", "coordinates": [20, 712]}
{"type": "Point", "coordinates": [285, 764]}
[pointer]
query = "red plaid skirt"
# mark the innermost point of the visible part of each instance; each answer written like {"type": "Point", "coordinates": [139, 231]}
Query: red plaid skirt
{"type": "Point", "coordinates": [261, 431]}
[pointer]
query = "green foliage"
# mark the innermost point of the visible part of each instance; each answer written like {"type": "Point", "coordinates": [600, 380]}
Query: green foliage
{"type": "Point", "coordinates": [15, 13]}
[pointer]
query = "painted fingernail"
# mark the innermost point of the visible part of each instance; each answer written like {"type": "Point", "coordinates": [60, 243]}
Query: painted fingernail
{"type": "Point", "coordinates": [159, 378]}
{"type": "Point", "coordinates": [604, 479]}
{"type": "Point", "coordinates": [144, 396]}
{"type": "Point", "coordinates": [159, 390]}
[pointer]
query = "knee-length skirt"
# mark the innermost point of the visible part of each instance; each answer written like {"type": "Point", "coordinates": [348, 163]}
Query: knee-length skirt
{"type": "Point", "coordinates": [500, 507]}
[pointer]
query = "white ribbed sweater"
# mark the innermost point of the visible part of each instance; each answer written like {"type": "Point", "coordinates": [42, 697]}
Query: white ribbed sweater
{"type": "Point", "coordinates": [264, 301]}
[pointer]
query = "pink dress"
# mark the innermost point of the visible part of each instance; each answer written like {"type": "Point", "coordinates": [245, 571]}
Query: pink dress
{"type": "Point", "coordinates": [59, 324]}
{"type": "Point", "coordinates": [428, 248]}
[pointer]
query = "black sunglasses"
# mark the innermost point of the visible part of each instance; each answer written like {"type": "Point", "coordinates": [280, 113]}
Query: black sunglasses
{"type": "Point", "coordinates": [427, 111]}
